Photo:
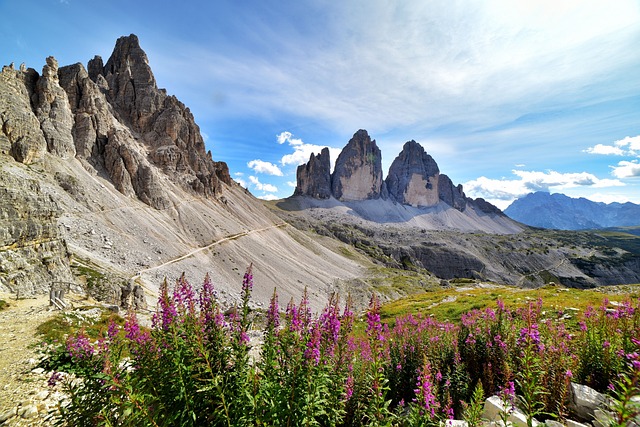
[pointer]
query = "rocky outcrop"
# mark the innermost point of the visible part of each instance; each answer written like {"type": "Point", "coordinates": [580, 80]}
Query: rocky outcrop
{"type": "Point", "coordinates": [413, 177]}
{"type": "Point", "coordinates": [32, 252]}
{"type": "Point", "coordinates": [314, 178]}
{"type": "Point", "coordinates": [53, 110]}
{"type": "Point", "coordinates": [358, 171]}
{"type": "Point", "coordinates": [450, 194]}
{"type": "Point", "coordinates": [161, 122]}
{"type": "Point", "coordinates": [20, 134]}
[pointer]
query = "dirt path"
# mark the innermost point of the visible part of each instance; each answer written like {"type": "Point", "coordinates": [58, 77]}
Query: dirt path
{"type": "Point", "coordinates": [18, 356]}
{"type": "Point", "coordinates": [204, 248]}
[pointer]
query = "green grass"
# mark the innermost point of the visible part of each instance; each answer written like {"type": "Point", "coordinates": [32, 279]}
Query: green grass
{"type": "Point", "coordinates": [91, 274]}
{"type": "Point", "coordinates": [449, 304]}
{"type": "Point", "coordinates": [390, 281]}
{"type": "Point", "coordinates": [62, 325]}
{"type": "Point", "coordinates": [3, 305]}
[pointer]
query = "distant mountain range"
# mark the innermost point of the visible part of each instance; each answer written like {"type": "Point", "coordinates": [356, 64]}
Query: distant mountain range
{"type": "Point", "coordinates": [561, 212]}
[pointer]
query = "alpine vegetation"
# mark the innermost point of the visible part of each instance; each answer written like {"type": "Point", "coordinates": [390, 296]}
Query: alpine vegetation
{"type": "Point", "coordinates": [193, 366]}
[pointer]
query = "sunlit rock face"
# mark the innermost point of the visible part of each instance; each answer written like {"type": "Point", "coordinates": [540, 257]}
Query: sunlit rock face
{"type": "Point", "coordinates": [358, 171]}
{"type": "Point", "coordinates": [413, 177]}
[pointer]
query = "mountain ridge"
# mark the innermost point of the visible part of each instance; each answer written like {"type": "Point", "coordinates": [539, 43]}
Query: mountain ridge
{"type": "Point", "coordinates": [105, 179]}
{"type": "Point", "coordinates": [545, 210]}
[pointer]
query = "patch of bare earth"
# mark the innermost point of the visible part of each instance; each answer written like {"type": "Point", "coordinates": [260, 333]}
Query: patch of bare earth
{"type": "Point", "coordinates": [25, 397]}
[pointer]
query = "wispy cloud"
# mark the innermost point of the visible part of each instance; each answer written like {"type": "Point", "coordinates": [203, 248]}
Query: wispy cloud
{"type": "Point", "coordinates": [270, 188]}
{"type": "Point", "coordinates": [268, 197]}
{"type": "Point", "coordinates": [523, 54]}
{"type": "Point", "coordinates": [302, 151]}
{"type": "Point", "coordinates": [260, 166]}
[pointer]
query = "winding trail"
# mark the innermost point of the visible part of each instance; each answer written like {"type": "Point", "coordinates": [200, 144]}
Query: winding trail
{"type": "Point", "coordinates": [204, 248]}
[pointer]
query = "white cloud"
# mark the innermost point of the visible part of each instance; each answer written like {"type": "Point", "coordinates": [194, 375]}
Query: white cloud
{"type": "Point", "coordinates": [627, 146]}
{"type": "Point", "coordinates": [268, 197]}
{"type": "Point", "coordinates": [260, 166]}
{"type": "Point", "coordinates": [626, 169]}
{"type": "Point", "coordinates": [262, 187]}
{"type": "Point", "coordinates": [242, 182]}
{"type": "Point", "coordinates": [238, 173]}
{"type": "Point", "coordinates": [292, 184]}
{"type": "Point", "coordinates": [303, 151]}
{"type": "Point", "coordinates": [287, 136]}
{"type": "Point", "coordinates": [502, 192]}
{"type": "Point", "coordinates": [605, 149]}
{"type": "Point", "coordinates": [374, 75]}
{"type": "Point", "coordinates": [632, 141]}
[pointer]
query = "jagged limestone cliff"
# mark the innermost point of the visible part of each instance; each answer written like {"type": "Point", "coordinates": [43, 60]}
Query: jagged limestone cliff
{"type": "Point", "coordinates": [106, 182]}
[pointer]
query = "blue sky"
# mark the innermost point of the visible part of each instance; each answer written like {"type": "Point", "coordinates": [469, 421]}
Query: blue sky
{"type": "Point", "coordinates": [508, 96]}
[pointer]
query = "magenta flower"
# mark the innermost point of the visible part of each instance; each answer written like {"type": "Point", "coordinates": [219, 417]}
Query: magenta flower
{"type": "Point", "coordinates": [79, 347]}
{"type": "Point", "coordinates": [273, 314]}
{"type": "Point", "coordinates": [426, 392]}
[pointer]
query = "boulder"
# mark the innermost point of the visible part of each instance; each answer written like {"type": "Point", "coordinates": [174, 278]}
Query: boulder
{"type": "Point", "coordinates": [358, 171]}
{"type": "Point", "coordinates": [314, 177]}
{"type": "Point", "coordinates": [493, 407]}
{"type": "Point", "coordinates": [571, 423]}
{"type": "Point", "coordinates": [583, 401]}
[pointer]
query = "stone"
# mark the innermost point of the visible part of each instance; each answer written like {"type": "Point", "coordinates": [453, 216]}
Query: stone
{"type": "Point", "coordinates": [42, 395]}
{"type": "Point", "coordinates": [413, 177]}
{"type": "Point", "coordinates": [9, 413]}
{"type": "Point", "coordinates": [493, 407]}
{"type": "Point", "coordinates": [313, 178]}
{"type": "Point", "coordinates": [37, 371]}
{"type": "Point", "coordinates": [553, 423]}
{"type": "Point", "coordinates": [358, 171]}
{"type": "Point", "coordinates": [602, 418]}
{"type": "Point", "coordinates": [571, 423]}
{"type": "Point", "coordinates": [455, 423]}
{"type": "Point", "coordinates": [28, 411]}
{"type": "Point", "coordinates": [139, 301]}
{"type": "Point", "coordinates": [583, 401]}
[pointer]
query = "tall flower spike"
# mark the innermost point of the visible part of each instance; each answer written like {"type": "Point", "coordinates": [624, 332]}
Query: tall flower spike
{"type": "Point", "coordinates": [273, 314]}
{"type": "Point", "coordinates": [247, 282]}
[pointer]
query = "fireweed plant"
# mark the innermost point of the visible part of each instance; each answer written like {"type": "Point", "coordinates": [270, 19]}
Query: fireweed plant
{"type": "Point", "coordinates": [192, 366]}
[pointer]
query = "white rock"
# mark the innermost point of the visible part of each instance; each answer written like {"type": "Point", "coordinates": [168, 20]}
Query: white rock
{"type": "Point", "coordinates": [28, 411]}
{"type": "Point", "coordinates": [584, 400]}
{"type": "Point", "coordinates": [602, 418]}
{"type": "Point", "coordinates": [571, 423]}
{"type": "Point", "coordinates": [455, 423]}
{"type": "Point", "coordinates": [4, 416]}
{"type": "Point", "coordinates": [38, 371]}
{"type": "Point", "coordinates": [42, 395]}
{"type": "Point", "coordinates": [553, 423]}
{"type": "Point", "coordinates": [493, 407]}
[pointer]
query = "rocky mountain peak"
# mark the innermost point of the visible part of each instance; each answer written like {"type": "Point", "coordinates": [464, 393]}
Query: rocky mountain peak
{"type": "Point", "coordinates": [358, 171]}
{"type": "Point", "coordinates": [413, 177]}
{"type": "Point", "coordinates": [114, 118]}
{"type": "Point", "coordinates": [314, 178]}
